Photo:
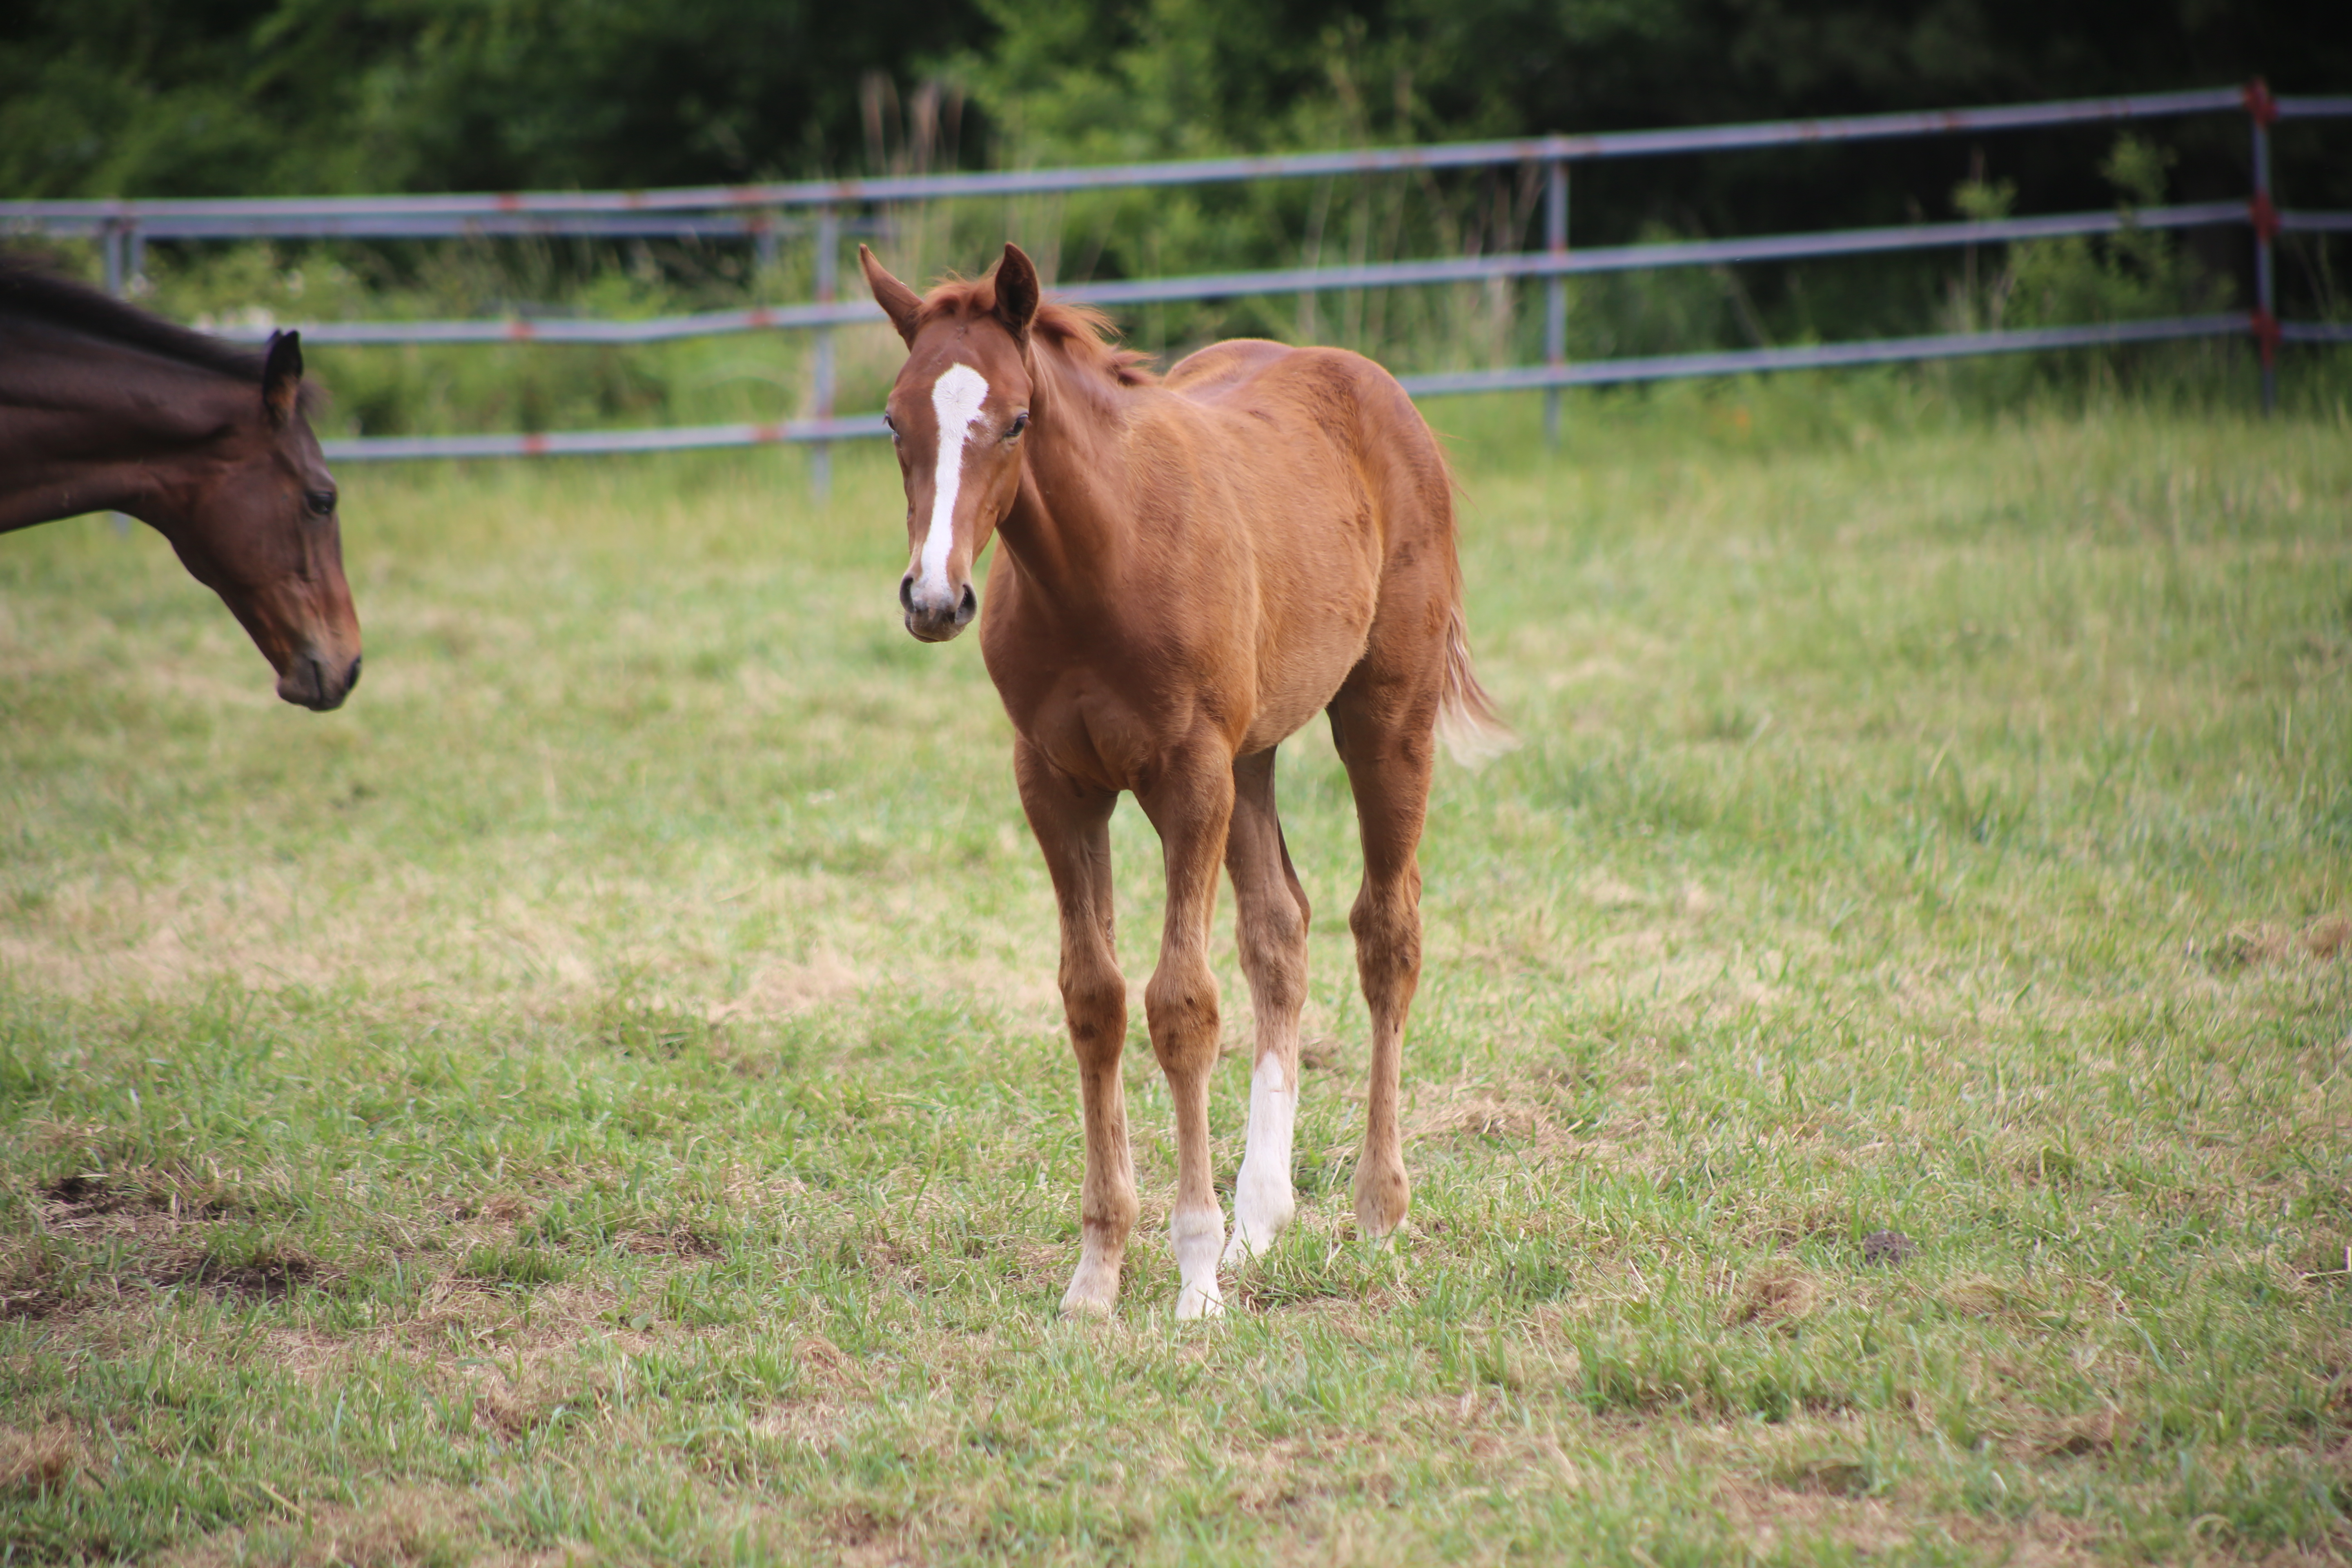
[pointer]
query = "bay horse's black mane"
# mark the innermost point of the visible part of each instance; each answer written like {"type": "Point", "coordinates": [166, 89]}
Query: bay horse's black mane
{"type": "Point", "coordinates": [29, 293]}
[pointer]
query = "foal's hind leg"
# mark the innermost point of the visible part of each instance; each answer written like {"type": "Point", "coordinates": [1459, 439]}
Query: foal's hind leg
{"type": "Point", "coordinates": [1385, 736]}
{"type": "Point", "coordinates": [1271, 925]}
{"type": "Point", "coordinates": [1072, 822]}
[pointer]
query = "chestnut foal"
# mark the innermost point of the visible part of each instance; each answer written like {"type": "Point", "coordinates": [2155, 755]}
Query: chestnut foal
{"type": "Point", "coordinates": [1191, 568]}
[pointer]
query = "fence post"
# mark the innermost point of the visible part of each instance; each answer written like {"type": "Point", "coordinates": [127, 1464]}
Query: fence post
{"type": "Point", "coordinates": [1555, 289]}
{"type": "Point", "coordinates": [2261, 110]}
{"type": "Point", "coordinates": [110, 248]}
{"type": "Point", "coordinates": [828, 249]}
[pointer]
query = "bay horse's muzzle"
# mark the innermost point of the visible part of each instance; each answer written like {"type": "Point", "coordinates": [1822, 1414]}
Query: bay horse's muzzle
{"type": "Point", "coordinates": [308, 682]}
{"type": "Point", "coordinates": [936, 618]}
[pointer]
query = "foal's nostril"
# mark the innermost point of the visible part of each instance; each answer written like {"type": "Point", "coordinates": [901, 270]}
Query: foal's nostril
{"type": "Point", "coordinates": [907, 592]}
{"type": "Point", "coordinates": [966, 606]}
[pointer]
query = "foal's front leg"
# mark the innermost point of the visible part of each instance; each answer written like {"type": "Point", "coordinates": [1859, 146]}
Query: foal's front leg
{"type": "Point", "coordinates": [1191, 805]}
{"type": "Point", "coordinates": [1072, 822]}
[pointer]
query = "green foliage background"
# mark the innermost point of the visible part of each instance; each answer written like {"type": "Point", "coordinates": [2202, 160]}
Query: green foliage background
{"type": "Point", "coordinates": [216, 96]}
{"type": "Point", "coordinates": [146, 97]}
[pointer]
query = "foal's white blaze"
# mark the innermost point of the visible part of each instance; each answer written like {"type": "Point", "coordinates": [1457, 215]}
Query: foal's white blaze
{"type": "Point", "coordinates": [1262, 1202]}
{"type": "Point", "coordinates": [956, 398]}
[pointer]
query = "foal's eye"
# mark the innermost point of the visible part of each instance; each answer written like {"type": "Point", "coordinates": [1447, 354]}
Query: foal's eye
{"type": "Point", "coordinates": [890, 425]}
{"type": "Point", "coordinates": [320, 502]}
{"type": "Point", "coordinates": [1020, 423]}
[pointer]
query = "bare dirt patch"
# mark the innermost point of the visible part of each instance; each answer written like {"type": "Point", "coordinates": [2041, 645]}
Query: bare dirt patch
{"type": "Point", "coordinates": [1889, 1248]}
{"type": "Point", "coordinates": [165, 1224]}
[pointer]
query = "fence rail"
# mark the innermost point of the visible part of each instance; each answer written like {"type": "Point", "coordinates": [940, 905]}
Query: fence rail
{"type": "Point", "coordinates": [762, 213]}
{"type": "Point", "coordinates": [1524, 378]}
{"type": "Point", "coordinates": [1301, 279]}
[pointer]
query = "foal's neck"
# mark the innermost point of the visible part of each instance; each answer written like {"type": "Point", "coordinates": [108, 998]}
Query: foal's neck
{"type": "Point", "coordinates": [89, 425]}
{"type": "Point", "coordinates": [1064, 533]}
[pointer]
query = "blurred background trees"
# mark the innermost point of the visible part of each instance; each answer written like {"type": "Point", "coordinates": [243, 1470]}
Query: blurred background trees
{"type": "Point", "coordinates": [166, 97]}
{"type": "Point", "coordinates": [213, 97]}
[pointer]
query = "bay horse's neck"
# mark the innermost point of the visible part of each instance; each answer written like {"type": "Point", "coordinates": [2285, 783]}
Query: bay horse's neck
{"type": "Point", "coordinates": [1064, 533]}
{"type": "Point", "coordinates": [89, 425]}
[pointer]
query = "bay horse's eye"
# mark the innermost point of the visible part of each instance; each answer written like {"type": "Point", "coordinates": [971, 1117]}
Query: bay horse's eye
{"type": "Point", "coordinates": [1020, 423]}
{"type": "Point", "coordinates": [320, 502]}
{"type": "Point", "coordinates": [890, 425]}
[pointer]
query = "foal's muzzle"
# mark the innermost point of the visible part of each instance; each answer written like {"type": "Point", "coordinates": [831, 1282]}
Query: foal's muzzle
{"type": "Point", "coordinates": [936, 618]}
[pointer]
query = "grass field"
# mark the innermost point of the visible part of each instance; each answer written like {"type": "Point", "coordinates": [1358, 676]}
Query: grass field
{"type": "Point", "coordinates": [601, 1096]}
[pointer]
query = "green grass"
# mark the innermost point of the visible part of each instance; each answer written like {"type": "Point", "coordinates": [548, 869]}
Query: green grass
{"type": "Point", "coordinates": [601, 1096]}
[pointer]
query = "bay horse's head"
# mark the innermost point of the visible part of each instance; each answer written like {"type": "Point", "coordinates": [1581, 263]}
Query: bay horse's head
{"type": "Point", "coordinates": [956, 415]}
{"type": "Point", "coordinates": [256, 522]}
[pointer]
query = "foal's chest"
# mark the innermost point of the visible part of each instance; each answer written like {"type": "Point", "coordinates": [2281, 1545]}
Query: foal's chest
{"type": "Point", "coordinates": [1108, 713]}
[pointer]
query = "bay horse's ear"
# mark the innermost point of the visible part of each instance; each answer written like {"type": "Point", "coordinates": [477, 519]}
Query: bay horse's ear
{"type": "Point", "coordinates": [898, 302]}
{"type": "Point", "coordinates": [1016, 291]}
{"type": "Point", "coordinates": [282, 376]}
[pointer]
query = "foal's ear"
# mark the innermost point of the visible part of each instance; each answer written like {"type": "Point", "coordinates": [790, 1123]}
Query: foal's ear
{"type": "Point", "coordinates": [898, 302]}
{"type": "Point", "coordinates": [282, 376]}
{"type": "Point", "coordinates": [1016, 291]}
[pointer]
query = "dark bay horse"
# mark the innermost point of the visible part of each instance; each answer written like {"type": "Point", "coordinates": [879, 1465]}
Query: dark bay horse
{"type": "Point", "coordinates": [1190, 568]}
{"type": "Point", "coordinates": [105, 408]}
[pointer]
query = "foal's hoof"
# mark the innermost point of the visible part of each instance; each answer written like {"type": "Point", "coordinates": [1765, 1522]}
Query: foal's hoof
{"type": "Point", "coordinates": [1200, 1301]}
{"type": "Point", "coordinates": [1263, 1209]}
{"type": "Point", "coordinates": [1382, 1198]}
{"type": "Point", "coordinates": [1248, 1242]}
{"type": "Point", "coordinates": [1092, 1291]}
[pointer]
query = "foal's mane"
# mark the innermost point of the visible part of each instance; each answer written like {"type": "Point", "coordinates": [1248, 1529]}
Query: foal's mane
{"type": "Point", "coordinates": [1080, 335]}
{"type": "Point", "coordinates": [29, 293]}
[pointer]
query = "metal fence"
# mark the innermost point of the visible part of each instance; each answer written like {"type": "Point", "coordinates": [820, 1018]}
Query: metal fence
{"type": "Point", "coordinates": [828, 210]}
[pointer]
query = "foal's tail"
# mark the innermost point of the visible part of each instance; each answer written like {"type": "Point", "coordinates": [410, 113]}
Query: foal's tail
{"type": "Point", "coordinates": [1466, 719]}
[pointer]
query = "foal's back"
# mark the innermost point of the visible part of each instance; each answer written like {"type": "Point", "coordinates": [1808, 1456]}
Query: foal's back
{"type": "Point", "coordinates": [1293, 416]}
{"type": "Point", "coordinates": [1344, 499]}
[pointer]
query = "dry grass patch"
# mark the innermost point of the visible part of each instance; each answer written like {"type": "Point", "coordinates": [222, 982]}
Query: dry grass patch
{"type": "Point", "coordinates": [2099, 1431]}
{"type": "Point", "coordinates": [40, 1460]}
{"type": "Point", "coordinates": [2321, 940]}
{"type": "Point", "coordinates": [399, 1527]}
{"type": "Point", "coordinates": [1980, 1296]}
{"type": "Point", "coordinates": [1777, 1296]}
